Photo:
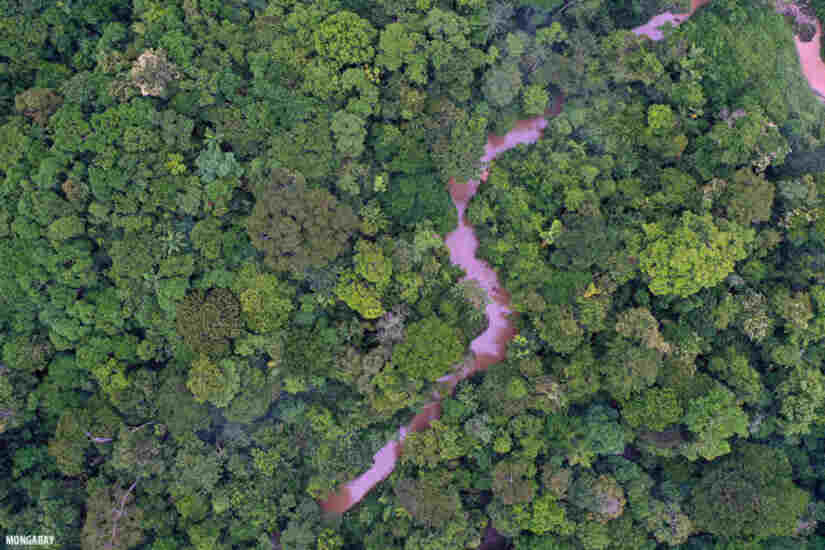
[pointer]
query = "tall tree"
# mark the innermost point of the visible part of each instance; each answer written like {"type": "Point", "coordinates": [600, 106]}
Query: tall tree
{"type": "Point", "coordinates": [749, 494]}
{"type": "Point", "coordinates": [297, 227]}
{"type": "Point", "coordinates": [694, 253]}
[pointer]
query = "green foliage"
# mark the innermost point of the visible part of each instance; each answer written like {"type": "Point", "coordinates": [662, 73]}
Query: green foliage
{"type": "Point", "coordinates": [628, 367]}
{"type": "Point", "coordinates": [593, 535]}
{"type": "Point", "coordinates": [654, 408]}
{"type": "Point", "coordinates": [397, 46]}
{"type": "Point", "coordinates": [751, 139]}
{"type": "Point", "coordinates": [27, 353]}
{"type": "Point", "coordinates": [660, 119]}
{"type": "Point", "coordinates": [580, 441]}
{"type": "Point", "coordinates": [345, 38]}
{"type": "Point", "coordinates": [360, 297]}
{"type": "Point", "coordinates": [111, 375]}
{"type": "Point", "coordinates": [801, 396]}
{"type": "Point", "coordinates": [214, 164]}
{"type": "Point", "coordinates": [208, 319]}
{"type": "Point", "coordinates": [738, 373]}
{"type": "Point", "coordinates": [696, 253]}
{"type": "Point", "coordinates": [735, 40]}
{"type": "Point", "coordinates": [216, 382]}
{"type": "Point", "coordinates": [599, 433]}
{"type": "Point", "coordinates": [207, 237]}
{"type": "Point", "coordinates": [664, 262]}
{"type": "Point", "coordinates": [373, 219]}
{"type": "Point", "coordinates": [630, 60]}
{"type": "Point", "coordinates": [257, 393]}
{"type": "Point", "coordinates": [371, 264]}
{"type": "Point", "coordinates": [363, 289]}
{"type": "Point", "coordinates": [349, 133]}
{"type": "Point", "coordinates": [535, 100]}
{"type": "Point", "coordinates": [457, 153]}
{"type": "Point", "coordinates": [438, 445]}
{"type": "Point", "coordinates": [266, 301]}
{"type": "Point", "coordinates": [411, 200]}
{"type": "Point", "coordinates": [751, 198]}
{"type": "Point", "coordinates": [714, 418]}
{"type": "Point", "coordinates": [547, 516]}
{"type": "Point", "coordinates": [297, 227]}
{"type": "Point", "coordinates": [430, 348]}
{"type": "Point", "coordinates": [112, 519]}
{"type": "Point", "coordinates": [426, 500]}
{"type": "Point", "coordinates": [503, 84]}
{"type": "Point", "coordinates": [750, 495]}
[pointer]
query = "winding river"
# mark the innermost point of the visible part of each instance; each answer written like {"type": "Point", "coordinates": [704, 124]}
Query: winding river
{"type": "Point", "coordinates": [491, 346]}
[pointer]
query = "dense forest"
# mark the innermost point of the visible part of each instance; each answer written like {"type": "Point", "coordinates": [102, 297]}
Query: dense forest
{"type": "Point", "coordinates": [224, 285]}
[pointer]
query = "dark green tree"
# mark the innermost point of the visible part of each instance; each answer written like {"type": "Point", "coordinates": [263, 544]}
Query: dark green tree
{"type": "Point", "coordinates": [429, 499]}
{"type": "Point", "coordinates": [749, 495]}
{"type": "Point", "coordinates": [208, 320]}
{"type": "Point", "coordinates": [297, 227]}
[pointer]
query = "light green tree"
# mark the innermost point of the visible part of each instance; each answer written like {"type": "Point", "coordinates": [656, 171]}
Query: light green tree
{"type": "Point", "coordinates": [534, 100]}
{"type": "Point", "coordinates": [66, 228]}
{"type": "Point", "coordinates": [502, 84]}
{"type": "Point", "coordinates": [266, 301]}
{"type": "Point", "coordinates": [801, 396]}
{"type": "Point", "coordinates": [214, 381]}
{"type": "Point", "coordinates": [694, 253]}
{"type": "Point", "coordinates": [429, 349]}
{"type": "Point", "coordinates": [714, 418]}
{"type": "Point", "coordinates": [399, 45]}
{"type": "Point", "coordinates": [654, 408]}
{"type": "Point", "coordinates": [349, 132]}
{"type": "Point", "coordinates": [345, 38]}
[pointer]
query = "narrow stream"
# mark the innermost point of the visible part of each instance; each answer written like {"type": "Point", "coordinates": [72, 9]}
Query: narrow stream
{"type": "Point", "coordinates": [491, 346]}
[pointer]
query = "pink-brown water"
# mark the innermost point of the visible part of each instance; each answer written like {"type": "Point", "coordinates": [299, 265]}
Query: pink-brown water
{"type": "Point", "coordinates": [812, 66]}
{"type": "Point", "coordinates": [651, 29]}
{"type": "Point", "coordinates": [491, 346]}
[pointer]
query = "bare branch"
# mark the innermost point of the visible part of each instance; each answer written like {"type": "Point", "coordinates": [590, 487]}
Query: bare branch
{"type": "Point", "coordinates": [99, 439]}
{"type": "Point", "coordinates": [119, 513]}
